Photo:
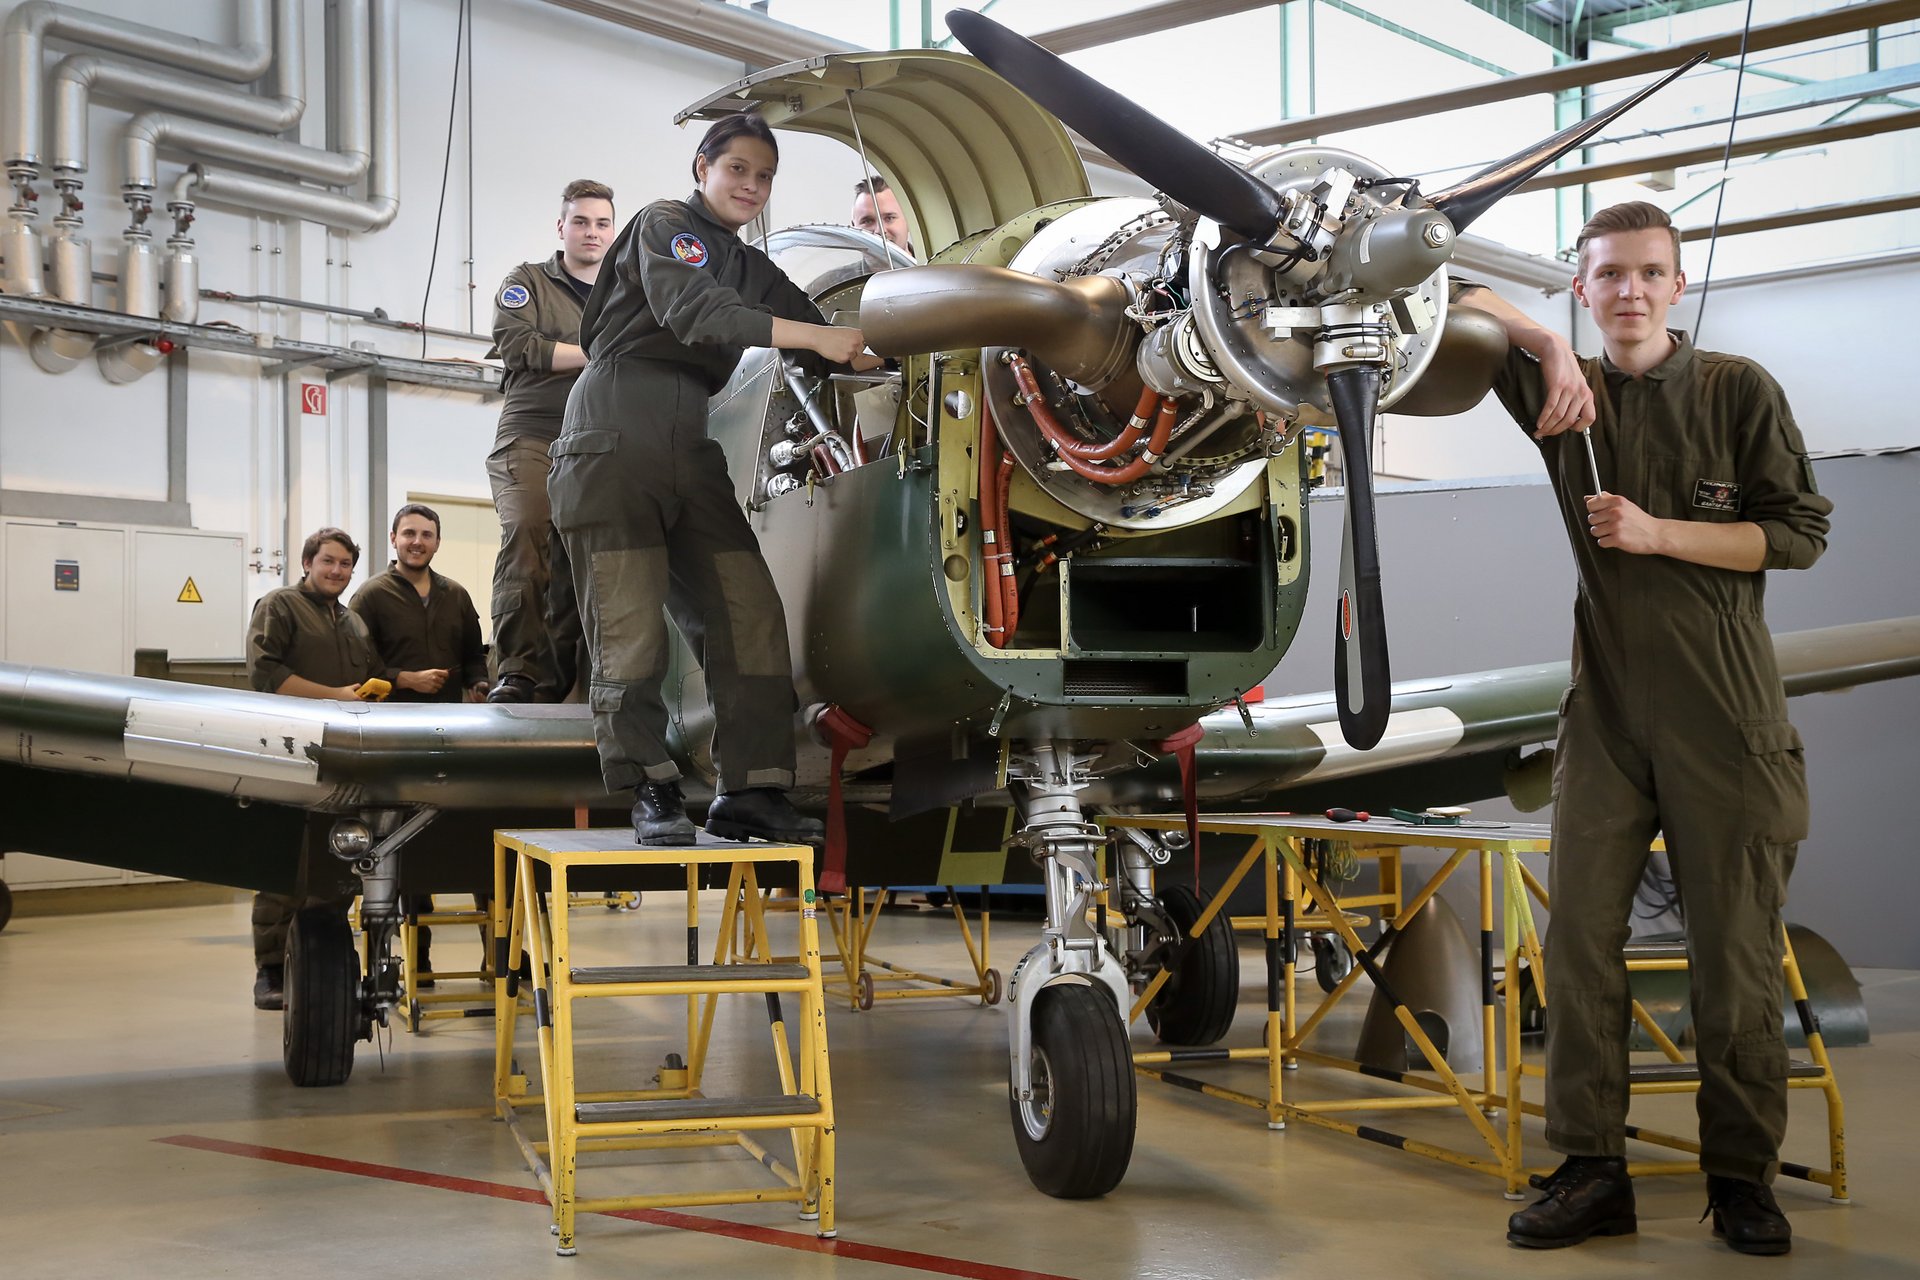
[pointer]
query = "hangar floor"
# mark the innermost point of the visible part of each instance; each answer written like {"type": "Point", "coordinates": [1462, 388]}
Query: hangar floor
{"type": "Point", "coordinates": [124, 1031]}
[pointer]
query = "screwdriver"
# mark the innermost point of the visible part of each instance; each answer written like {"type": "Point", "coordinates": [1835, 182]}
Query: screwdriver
{"type": "Point", "coordinates": [1349, 815]}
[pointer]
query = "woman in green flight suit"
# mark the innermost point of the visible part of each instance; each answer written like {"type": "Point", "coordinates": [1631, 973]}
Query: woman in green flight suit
{"type": "Point", "coordinates": [647, 512]}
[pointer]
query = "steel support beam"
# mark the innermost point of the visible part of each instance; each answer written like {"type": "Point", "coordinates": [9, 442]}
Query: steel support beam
{"type": "Point", "coordinates": [725, 29]}
{"type": "Point", "coordinates": [1807, 217]}
{"type": "Point", "coordinates": [177, 427]}
{"type": "Point", "coordinates": [284, 354]}
{"type": "Point", "coordinates": [376, 473]}
{"type": "Point", "coordinates": [1712, 152]}
{"type": "Point", "coordinates": [1143, 21]}
{"type": "Point", "coordinates": [1594, 71]}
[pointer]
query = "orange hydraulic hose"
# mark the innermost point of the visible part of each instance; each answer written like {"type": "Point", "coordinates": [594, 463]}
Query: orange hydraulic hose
{"type": "Point", "coordinates": [1009, 585]}
{"type": "Point", "coordinates": [992, 600]}
{"type": "Point", "coordinates": [1064, 440]}
{"type": "Point", "coordinates": [1076, 452]}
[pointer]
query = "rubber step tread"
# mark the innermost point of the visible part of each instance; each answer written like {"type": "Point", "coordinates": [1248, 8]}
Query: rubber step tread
{"type": "Point", "coordinates": [688, 973]}
{"type": "Point", "coordinates": [1670, 1071]}
{"type": "Point", "coordinates": [793, 1104]}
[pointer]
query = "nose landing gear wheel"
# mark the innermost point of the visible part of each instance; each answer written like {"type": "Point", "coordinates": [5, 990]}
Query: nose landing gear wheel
{"type": "Point", "coordinates": [1197, 1003]}
{"type": "Point", "coordinates": [1075, 1134]}
{"type": "Point", "coordinates": [1331, 960]}
{"type": "Point", "coordinates": [323, 1016]}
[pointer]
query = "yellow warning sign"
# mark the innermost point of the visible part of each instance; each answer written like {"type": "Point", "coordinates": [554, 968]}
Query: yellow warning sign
{"type": "Point", "coordinates": [189, 594]}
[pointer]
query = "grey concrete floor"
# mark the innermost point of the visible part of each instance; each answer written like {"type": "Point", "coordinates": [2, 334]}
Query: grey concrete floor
{"type": "Point", "coordinates": [146, 1126]}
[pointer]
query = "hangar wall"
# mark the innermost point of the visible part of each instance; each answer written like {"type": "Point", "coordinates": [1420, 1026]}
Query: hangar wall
{"type": "Point", "coordinates": [1815, 330]}
{"type": "Point", "coordinates": [557, 95]}
{"type": "Point", "coordinates": [1478, 577]}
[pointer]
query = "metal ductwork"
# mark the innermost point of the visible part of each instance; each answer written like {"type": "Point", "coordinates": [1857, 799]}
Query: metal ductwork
{"type": "Point", "coordinates": [147, 134]}
{"type": "Point", "coordinates": [383, 168]}
{"type": "Point", "coordinates": [1078, 327]}
{"type": "Point", "coordinates": [32, 24]}
{"type": "Point", "coordinates": [78, 78]}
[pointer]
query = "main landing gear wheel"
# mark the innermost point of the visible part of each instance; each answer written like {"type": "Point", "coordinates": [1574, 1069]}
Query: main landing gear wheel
{"type": "Point", "coordinates": [996, 987]}
{"type": "Point", "coordinates": [1075, 1133]}
{"type": "Point", "coordinates": [323, 1016]}
{"type": "Point", "coordinates": [1197, 1003]}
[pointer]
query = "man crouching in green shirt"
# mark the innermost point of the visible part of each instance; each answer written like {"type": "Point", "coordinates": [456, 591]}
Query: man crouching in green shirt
{"type": "Point", "coordinates": [1676, 721]}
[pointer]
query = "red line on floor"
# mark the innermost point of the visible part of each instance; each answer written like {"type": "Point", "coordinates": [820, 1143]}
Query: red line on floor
{"type": "Point", "coordinates": [928, 1262]}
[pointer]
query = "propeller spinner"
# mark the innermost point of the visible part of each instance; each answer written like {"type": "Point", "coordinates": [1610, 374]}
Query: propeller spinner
{"type": "Point", "coordinates": [1348, 259]}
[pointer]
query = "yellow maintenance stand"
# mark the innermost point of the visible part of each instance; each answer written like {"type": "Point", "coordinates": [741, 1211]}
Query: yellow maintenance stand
{"type": "Point", "coordinates": [531, 900]}
{"type": "Point", "coordinates": [1494, 1104]}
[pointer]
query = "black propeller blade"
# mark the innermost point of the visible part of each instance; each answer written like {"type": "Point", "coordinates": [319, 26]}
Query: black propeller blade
{"type": "Point", "coordinates": [1161, 155]}
{"type": "Point", "coordinates": [1463, 203]}
{"type": "Point", "coordinates": [1360, 677]}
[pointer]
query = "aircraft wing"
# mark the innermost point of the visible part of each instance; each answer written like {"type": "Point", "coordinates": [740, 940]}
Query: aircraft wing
{"type": "Point", "coordinates": [212, 783]}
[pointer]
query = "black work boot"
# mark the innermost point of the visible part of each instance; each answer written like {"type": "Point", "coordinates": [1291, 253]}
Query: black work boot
{"type": "Point", "coordinates": [762, 813]}
{"type": "Point", "coordinates": [512, 688]}
{"type": "Point", "coordinates": [660, 815]}
{"type": "Point", "coordinates": [1746, 1216]}
{"type": "Point", "coordinates": [268, 993]}
{"type": "Point", "coordinates": [1585, 1196]}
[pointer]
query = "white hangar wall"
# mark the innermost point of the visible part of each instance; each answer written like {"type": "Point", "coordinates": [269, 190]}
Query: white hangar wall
{"type": "Point", "coordinates": [1820, 331]}
{"type": "Point", "coordinates": [557, 96]}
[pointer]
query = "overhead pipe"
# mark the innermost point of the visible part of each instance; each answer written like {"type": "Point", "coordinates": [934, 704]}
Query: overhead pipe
{"type": "Point", "coordinates": [32, 24]}
{"type": "Point", "coordinates": [78, 78]}
{"type": "Point", "coordinates": [383, 183]}
{"type": "Point", "coordinates": [181, 273]}
{"type": "Point", "coordinates": [147, 134]}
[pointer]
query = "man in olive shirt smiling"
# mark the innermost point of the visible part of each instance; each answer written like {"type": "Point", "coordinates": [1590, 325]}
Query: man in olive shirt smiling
{"type": "Point", "coordinates": [425, 630]}
{"type": "Point", "coordinates": [303, 643]}
{"type": "Point", "coordinates": [1693, 482]}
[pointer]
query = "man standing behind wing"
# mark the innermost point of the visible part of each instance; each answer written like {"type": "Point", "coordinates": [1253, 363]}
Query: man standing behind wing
{"type": "Point", "coordinates": [1676, 722]}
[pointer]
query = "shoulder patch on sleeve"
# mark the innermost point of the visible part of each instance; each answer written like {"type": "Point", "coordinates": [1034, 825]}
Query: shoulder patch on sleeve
{"type": "Point", "coordinates": [690, 249]}
{"type": "Point", "coordinates": [514, 297]}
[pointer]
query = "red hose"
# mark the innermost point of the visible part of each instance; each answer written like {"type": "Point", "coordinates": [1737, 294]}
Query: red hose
{"type": "Point", "coordinates": [991, 599]}
{"type": "Point", "coordinates": [1009, 585]}
{"type": "Point", "coordinates": [1083, 458]}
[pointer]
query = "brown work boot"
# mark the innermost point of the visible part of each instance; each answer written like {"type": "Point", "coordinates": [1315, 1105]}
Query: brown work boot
{"type": "Point", "coordinates": [1585, 1196]}
{"type": "Point", "coordinates": [1746, 1216]}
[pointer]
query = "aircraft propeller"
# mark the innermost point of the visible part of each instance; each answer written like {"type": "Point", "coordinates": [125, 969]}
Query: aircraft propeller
{"type": "Point", "coordinates": [1370, 260]}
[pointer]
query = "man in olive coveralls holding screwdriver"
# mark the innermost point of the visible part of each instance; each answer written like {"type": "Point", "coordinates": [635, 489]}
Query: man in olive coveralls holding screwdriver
{"type": "Point", "coordinates": [1696, 481]}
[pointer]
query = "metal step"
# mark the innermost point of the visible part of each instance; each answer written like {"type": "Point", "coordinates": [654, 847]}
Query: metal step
{"type": "Point", "coordinates": [600, 976]}
{"type": "Point", "coordinates": [793, 1104]}
{"type": "Point", "coordinates": [1669, 1072]}
{"type": "Point", "coordinates": [1654, 951]}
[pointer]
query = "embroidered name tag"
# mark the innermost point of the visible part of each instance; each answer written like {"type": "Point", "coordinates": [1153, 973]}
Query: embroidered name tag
{"type": "Point", "coordinates": [1716, 495]}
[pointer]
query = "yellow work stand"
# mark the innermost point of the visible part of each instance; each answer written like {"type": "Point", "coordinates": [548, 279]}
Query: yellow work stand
{"type": "Point", "coordinates": [1277, 847]}
{"type": "Point", "coordinates": [533, 921]}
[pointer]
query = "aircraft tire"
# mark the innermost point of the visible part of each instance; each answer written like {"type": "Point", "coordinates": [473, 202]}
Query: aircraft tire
{"type": "Point", "coordinates": [6, 904]}
{"type": "Point", "coordinates": [1332, 960]}
{"type": "Point", "coordinates": [1196, 1006]}
{"type": "Point", "coordinates": [1076, 1135]}
{"type": "Point", "coordinates": [322, 1015]}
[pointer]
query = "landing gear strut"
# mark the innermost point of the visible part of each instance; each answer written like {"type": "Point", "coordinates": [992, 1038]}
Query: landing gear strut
{"type": "Point", "coordinates": [329, 1005]}
{"type": "Point", "coordinates": [1070, 1087]}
